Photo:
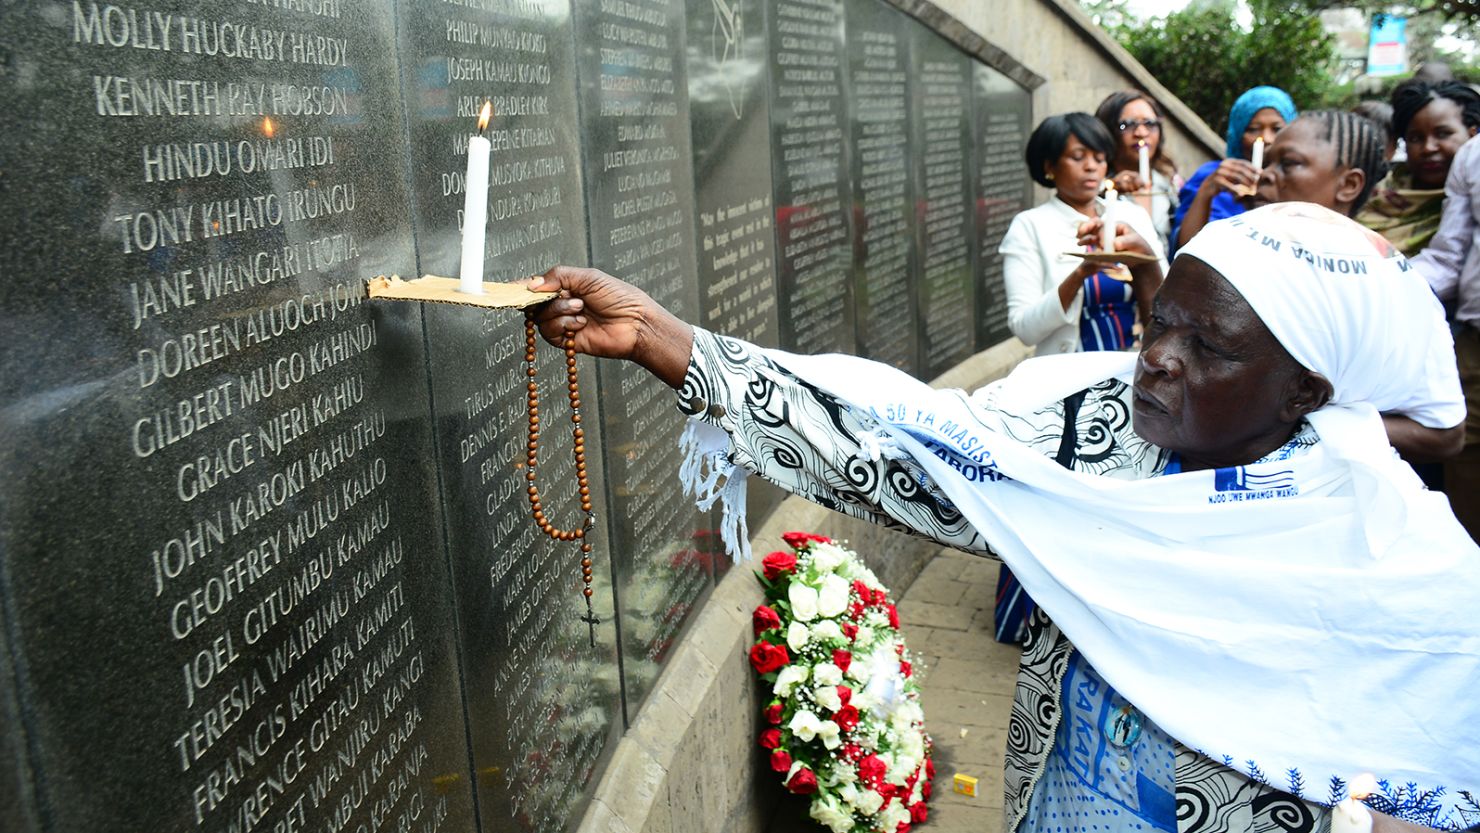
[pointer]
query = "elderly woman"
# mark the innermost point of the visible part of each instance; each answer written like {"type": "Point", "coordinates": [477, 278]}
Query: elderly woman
{"type": "Point", "coordinates": [1254, 600]}
{"type": "Point", "coordinates": [1434, 121]}
{"type": "Point", "coordinates": [1213, 191]}
{"type": "Point", "coordinates": [1057, 303]}
{"type": "Point", "coordinates": [1134, 120]}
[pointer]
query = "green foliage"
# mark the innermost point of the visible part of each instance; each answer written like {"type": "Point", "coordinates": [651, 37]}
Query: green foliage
{"type": "Point", "coordinates": [1207, 59]}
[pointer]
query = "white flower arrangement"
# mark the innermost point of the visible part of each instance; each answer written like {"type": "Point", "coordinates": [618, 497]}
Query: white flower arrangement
{"type": "Point", "coordinates": [844, 723]}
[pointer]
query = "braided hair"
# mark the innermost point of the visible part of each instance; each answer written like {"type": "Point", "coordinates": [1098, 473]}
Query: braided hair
{"type": "Point", "coordinates": [1413, 95]}
{"type": "Point", "coordinates": [1359, 142]}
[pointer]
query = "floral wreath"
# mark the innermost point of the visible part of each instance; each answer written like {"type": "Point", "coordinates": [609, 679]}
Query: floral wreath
{"type": "Point", "coordinates": [844, 724]}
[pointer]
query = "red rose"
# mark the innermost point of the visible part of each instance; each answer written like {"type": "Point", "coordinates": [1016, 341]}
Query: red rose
{"type": "Point", "coordinates": [765, 657]}
{"type": "Point", "coordinates": [845, 694]}
{"type": "Point", "coordinates": [905, 668]}
{"type": "Point", "coordinates": [778, 563]}
{"type": "Point", "coordinates": [880, 597]}
{"type": "Point", "coordinates": [852, 751]}
{"type": "Point", "coordinates": [804, 782]}
{"type": "Point", "coordinates": [780, 761]}
{"type": "Point", "coordinates": [864, 594]}
{"type": "Point", "coordinates": [770, 739]}
{"type": "Point", "coordinates": [846, 717]}
{"type": "Point", "coordinates": [773, 714]}
{"type": "Point", "coordinates": [850, 630]}
{"type": "Point", "coordinates": [929, 769]}
{"type": "Point", "coordinates": [925, 790]}
{"type": "Point", "coordinates": [799, 540]}
{"type": "Point", "coordinates": [871, 770]}
{"type": "Point", "coordinates": [918, 813]}
{"type": "Point", "coordinates": [904, 827]}
{"type": "Point", "coordinates": [764, 619]}
{"type": "Point", "coordinates": [842, 659]}
{"type": "Point", "coordinates": [855, 610]}
{"type": "Point", "coordinates": [893, 616]}
{"type": "Point", "coordinates": [889, 791]}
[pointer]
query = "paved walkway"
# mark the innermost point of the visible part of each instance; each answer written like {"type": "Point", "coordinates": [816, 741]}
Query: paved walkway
{"type": "Point", "coordinates": [966, 686]}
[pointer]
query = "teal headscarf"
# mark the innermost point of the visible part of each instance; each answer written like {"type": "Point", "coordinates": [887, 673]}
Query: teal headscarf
{"type": "Point", "coordinates": [1251, 102]}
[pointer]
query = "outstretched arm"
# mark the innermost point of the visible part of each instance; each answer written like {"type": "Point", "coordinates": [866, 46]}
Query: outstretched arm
{"type": "Point", "coordinates": [1421, 444]}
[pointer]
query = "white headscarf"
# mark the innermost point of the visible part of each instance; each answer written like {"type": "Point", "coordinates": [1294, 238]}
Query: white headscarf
{"type": "Point", "coordinates": [1325, 629]}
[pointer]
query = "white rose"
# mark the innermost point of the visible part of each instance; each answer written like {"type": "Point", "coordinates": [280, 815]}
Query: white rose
{"type": "Point", "coordinates": [829, 812]}
{"type": "Point", "coordinates": [827, 697]}
{"type": "Point", "coordinates": [865, 635]}
{"type": "Point", "coordinates": [832, 600]}
{"type": "Point", "coordinates": [827, 631]}
{"type": "Point", "coordinates": [804, 724]}
{"type": "Point", "coordinates": [830, 733]}
{"type": "Point", "coordinates": [869, 803]}
{"type": "Point", "coordinates": [803, 602]}
{"type": "Point", "coordinates": [848, 793]}
{"type": "Point", "coordinates": [858, 672]}
{"type": "Point", "coordinates": [895, 815]}
{"type": "Point", "coordinates": [788, 677]}
{"type": "Point", "coordinates": [797, 636]}
{"type": "Point", "coordinates": [904, 765]}
{"type": "Point", "coordinates": [825, 673]}
{"type": "Point", "coordinates": [826, 558]}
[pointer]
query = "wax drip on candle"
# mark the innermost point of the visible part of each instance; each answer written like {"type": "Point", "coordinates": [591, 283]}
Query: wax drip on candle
{"type": "Point", "coordinates": [1350, 815]}
{"type": "Point", "coordinates": [475, 207]}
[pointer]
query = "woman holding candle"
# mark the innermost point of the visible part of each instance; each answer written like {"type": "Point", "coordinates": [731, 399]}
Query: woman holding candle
{"type": "Point", "coordinates": [1212, 192]}
{"type": "Point", "coordinates": [1056, 302]}
{"type": "Point", "coordinates": [1140, 167]}
{"type": "Point", "coordinates": [1252, 600]}
{"type": "Point", "coordinates": [1434, 119]}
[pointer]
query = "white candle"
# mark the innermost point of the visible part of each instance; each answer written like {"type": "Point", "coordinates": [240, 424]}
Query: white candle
{"type": "Point", "coordinates": [1107, 221]}
{"type": "Point", "coordinates": [1145, 170]}
{"type": "Point", "coordinates": [1257, 157]}
{"type": "Point", "coordinates": [1350, 815]}
{"type": "Point", "coordinates": [475, 208]}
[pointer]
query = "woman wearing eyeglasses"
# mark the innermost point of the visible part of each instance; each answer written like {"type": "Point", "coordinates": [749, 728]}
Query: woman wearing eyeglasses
{"type": "Point", "coordinates": [1134, 119]}
{"type": "Point", "coordinates": [1209, 195]}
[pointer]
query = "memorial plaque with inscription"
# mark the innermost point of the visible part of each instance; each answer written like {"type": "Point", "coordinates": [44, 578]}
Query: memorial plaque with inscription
{"type": "Point", "coordinates": [1003, 112]}
{"type": "Point", "coordinates": [225, 585]}
{"type": "Point", "coordinates": [883, 204]}
{"type": "Point", "coordinates": [730, 123]}
{"type": "Point", "coordinates": [543, 703]}
{"type": "Point", "coordinates": [941, 98]}
{"type": "Point", "coordinates": [639, 194]}
{"type": "Point", "coordinates": [809, 133]}
{"type": "Point", "coordinates": [730, 129]}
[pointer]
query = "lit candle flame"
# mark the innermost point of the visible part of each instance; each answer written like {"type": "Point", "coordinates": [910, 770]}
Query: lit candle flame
{"type": "Point", "coordinates": [268, 128]}
{"type": "Point", "coordinates": [1362, 786]}
{"type": "Point", "coordinates": [484, 115]}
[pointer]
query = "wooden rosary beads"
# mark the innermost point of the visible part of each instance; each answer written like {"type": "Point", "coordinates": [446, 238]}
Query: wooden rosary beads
{"type": "Point", "coordinates": [573, 386]}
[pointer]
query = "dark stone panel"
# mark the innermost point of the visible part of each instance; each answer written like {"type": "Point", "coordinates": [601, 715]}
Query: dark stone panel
{"type": "Point", "coordinates": [544, 705]}
{"type": "Point", "coordinates": [1003, 113]}
{"type": "Point", "coordinates": [16, 792]}
{"type": "Point", "coordinates": [730, 125]}
{"type": "Point", "coordinates": [940, 94]}
{"type": "Point", "coordinates": [883, 193]}
{"type": "Point", "coordinates": [809, 132]}
{"type": "Point", "coordinates": [639, 197]}
{"type": "Point", "coordinates": [224, 578]}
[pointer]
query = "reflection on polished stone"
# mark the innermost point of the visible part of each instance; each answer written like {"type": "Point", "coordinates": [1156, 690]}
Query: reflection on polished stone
{"type": "Point", "coordinates": [809, 129]}
{"type": "Point", "coordinates": [1003, 112]}
{"type": "Point", "coordinates": [941, 118]}
{"type": "Point", "coordinates": [640, 196]}
{"type": "Point", "coordinates": [883, 190]}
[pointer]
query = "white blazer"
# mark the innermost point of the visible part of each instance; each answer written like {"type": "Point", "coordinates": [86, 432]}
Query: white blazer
{"type": "Point", "coordinates": [1034, 264]}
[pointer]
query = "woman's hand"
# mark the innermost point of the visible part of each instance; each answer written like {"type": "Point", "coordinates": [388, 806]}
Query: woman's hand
{"type": "Point", "coordinates": [1126, 238]}
{"type": "Point", "coordinates": [614, 320]}
{"type": "Point", "coordinates": [1130, 182]}
{"type": "Point", "coordinates": [1236, 176]}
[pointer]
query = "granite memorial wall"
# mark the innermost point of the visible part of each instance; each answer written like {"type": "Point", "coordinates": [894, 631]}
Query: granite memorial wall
{"type": "Point", "coordinates": [266, 562]}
